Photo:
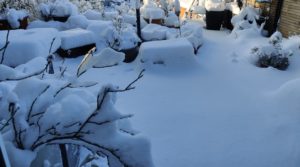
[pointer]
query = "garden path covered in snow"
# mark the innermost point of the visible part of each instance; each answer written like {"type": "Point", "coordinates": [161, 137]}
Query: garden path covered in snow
{"type": "Point", "coordinates": [225, 112]}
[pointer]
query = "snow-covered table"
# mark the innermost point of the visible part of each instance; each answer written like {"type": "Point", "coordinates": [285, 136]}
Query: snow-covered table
{"type": "Point", "coordinates": [75, 42]}
{"type": "Point", "coordinates": [25, 45]}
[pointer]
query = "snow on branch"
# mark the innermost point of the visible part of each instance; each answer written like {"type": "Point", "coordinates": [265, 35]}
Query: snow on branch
{"type": "Point", "coordinates": [67, 113]}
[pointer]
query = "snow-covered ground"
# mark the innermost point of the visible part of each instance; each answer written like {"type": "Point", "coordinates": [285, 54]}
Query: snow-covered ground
{"type": "Point", "coordinates": [225, 112]}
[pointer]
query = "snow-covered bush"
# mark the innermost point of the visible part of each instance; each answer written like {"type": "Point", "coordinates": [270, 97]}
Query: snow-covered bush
{"type": "Point", "coordinates": [121, 36]}
{"type": "Point", "coordinates": [172, 20]}
{"type": "Point", "coordinates": [272, 55]}
{"type": "Point", "coordinates": [28, 5]}
{"type": "Point", "coordinates": [191, 31]}
{"type": "Point", "coordinates": [246, 21]}
{"type": "Point", "coordinates": [58, 8]}
{"type": "Point", "coordinates": [42, 109]}
{"type": "Point", "coordinates": [16, 10]}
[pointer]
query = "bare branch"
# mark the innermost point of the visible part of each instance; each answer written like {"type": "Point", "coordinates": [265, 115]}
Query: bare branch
{"type": "Point", "coordinates": [111, 120]}
{"type": "Point", "coordinates": [129, 86]}
{"type": "Point", "coordinates": [3, 49]}
{"type": "Point", "coordinates": [25, 76]}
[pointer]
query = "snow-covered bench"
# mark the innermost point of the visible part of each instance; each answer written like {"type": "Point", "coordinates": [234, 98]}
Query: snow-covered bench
{"type": "Point", "coordinates": [75, 42]}
{"type": "Point", "coordinates": [24, 45]}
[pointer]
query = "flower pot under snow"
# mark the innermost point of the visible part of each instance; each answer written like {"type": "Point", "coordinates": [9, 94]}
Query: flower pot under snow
{"type": "Point", "coordinates": [214, 20]}
{"type": "Point", "coordinates": [227, 19]}
{"type": "Point", "coordinates": [75, 42]}
{"type": "Point", "coordinates": [215, 10]}
{"type": "Point", "coordinates": [130, 54]}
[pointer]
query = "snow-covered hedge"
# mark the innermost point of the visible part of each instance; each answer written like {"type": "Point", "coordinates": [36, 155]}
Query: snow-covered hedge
{"type": "Point", "coordinates": [38, 109]}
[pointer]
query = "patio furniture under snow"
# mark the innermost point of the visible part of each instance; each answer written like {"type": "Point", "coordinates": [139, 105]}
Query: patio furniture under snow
{"type": "Point", "coordinates": [76, 42]}
{"type": "Point", "coordinates": [24, 45]}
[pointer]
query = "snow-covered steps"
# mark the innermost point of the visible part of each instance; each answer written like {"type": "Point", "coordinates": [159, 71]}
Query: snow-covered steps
{"type": "Point", "coordinates": [75, 42]}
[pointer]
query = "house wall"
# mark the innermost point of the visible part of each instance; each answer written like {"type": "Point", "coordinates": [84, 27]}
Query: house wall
{"type": "Point", "coordinates": [290, 18]}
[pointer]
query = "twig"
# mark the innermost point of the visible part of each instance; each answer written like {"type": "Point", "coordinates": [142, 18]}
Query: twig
{"type": "Point", "coordinates": [25, 76]}
{"type": "Point", "coordinates": [129, 86]}
{"type": "Point", "coordinates": [110, 121]}
{"type": "Point", "coordinates": [4, 47]}
{"type": "Point", "coordinates": [51, 45]}
{"type": "Point", "coordinates": [105, 66]}
{"type": "Point", "coordinates": [33, 103]}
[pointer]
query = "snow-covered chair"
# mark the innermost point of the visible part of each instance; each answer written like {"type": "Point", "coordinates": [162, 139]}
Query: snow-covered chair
{"type": "Point", "coordinates": [75, 42]}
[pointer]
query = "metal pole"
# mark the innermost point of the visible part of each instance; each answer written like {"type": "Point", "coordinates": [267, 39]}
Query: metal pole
{"type": "Point", "coordinates": [64, 155]}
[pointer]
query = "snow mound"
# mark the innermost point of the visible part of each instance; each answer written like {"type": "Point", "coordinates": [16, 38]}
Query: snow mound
{"type": "Point", "coordinates": [58, 8]}
{"type": "Point", "coordinates": [60, 26]}
{"type": "Point", "coordinates": [130, 19]}
{"type": "Point", "coordinates": [92, 15]}
{"type": "Point", "coordinates": [289, 90]}
{"type": "Point", "coordinates": [27, 44]}
{"type": "Point", "coordinates": [154, 32]}
{"type": "Point", "coordinates": [215, 5]}
{"type": "Point", "coordinates": [152, 12]}
{"type": "Point", "coordinates": [77, 21]}
{"type": "Point", "coordinates": [177, 53]}
{"type": "Point", "coordinates": [172, 20]}
{"type": "Point", "coordinates": [76, 38]}
{"type": "Point", "coordinates": [193, 33]}
{"type": "Point", "coordinates": [108, 57]}
{"type": "Point", "coordinates": [101, 32]}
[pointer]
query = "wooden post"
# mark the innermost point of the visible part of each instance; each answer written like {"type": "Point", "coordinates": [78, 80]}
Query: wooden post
{"type": "Point", "coordinates": [138, 18]}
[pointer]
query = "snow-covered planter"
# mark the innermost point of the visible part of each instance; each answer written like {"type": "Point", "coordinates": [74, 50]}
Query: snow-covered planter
{"type": "Point", "coordinates": [152, 13]}
{"type": "Point", "coordinates": [13, 19]}
{"type": "Point", "coordinates": [123, 38]}
{"type": "Point", "coordinates": [272, 55]}
{"type": "Point", "coordinates": [154, 32]}
{"type": "Point", "coordinates": [214, 14]}
{"type": "Point", "coordinates": [172, 20]}
{"type": "Point", "coordinates": [59, 10]}
{"type": "Point", "coordinates": [173, 53]}
{"type": "Point", "coordinates": [75, 42]}
{"type": "Point", "coordinates": [25, 45]}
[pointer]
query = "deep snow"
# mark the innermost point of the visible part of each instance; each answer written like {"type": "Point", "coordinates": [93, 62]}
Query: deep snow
{"type": "Point", "coordinates": [224, 112]}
